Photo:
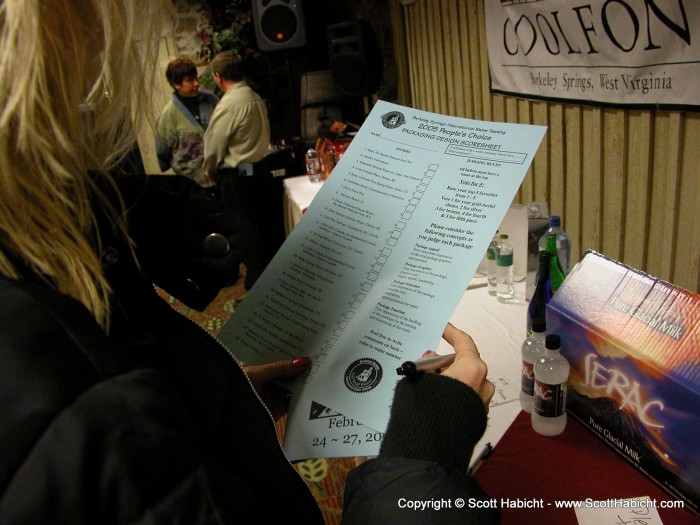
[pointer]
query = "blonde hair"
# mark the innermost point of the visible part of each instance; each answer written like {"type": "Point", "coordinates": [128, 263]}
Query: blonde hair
{"type": "Point", "coordinates": [75, 76]}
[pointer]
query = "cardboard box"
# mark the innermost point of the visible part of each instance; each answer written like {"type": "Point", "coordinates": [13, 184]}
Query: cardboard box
{"type": "Point", "coordinates": [633, 342]}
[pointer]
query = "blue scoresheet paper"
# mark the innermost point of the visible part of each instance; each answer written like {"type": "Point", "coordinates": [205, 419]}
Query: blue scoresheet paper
{"type": "Point", "coordinates": [370, 276]}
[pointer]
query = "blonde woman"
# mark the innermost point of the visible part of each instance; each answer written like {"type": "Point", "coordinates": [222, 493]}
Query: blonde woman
{"type": "Point", "coordinates": [113, 407]}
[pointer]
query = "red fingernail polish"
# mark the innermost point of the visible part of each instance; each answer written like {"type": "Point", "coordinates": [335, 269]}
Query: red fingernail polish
{"type": "Point", "coordinates": [301, 361]}
{"type": "Point", "coordinates": [427, 352]}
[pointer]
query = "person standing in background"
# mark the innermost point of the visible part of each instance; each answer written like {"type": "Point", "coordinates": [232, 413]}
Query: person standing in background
{"type": "Point", "coordinates": [181, 125]}
{"type": "Point", "coordinates": [235, 146]}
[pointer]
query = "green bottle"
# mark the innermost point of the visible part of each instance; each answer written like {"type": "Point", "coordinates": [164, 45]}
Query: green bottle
{"type": "Point", "coordinates": [556, 274]}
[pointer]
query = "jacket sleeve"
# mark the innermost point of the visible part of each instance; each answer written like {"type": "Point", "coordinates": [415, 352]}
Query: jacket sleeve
{"type": "Point", "coordinates": [164, 151]}
{"type": "Point", "coordinates": [86, 439]}
{"type": "Point", "coordinates": [420, 473]}
{"type": "Point", "coordinates": [165, 156]}
{"type": "Point", "coordinates": [123, 453]}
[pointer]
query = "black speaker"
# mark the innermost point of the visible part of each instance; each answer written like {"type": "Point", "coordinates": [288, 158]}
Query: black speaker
{"type": "Point", "coordinates": [355, 59]}
{"type": "Point", "coordinates": [279, 24]}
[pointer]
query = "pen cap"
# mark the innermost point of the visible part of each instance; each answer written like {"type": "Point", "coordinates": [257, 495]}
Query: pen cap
{"type": "Point", "coordinates": [406, 369]}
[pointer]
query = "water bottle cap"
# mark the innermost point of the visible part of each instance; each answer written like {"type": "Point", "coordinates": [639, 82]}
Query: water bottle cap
{"type": "Point", "coordinates": [539, 325]}
{"type": "Point", "coordinates": [503, 236]}
{"type": "Point", "coordinates": [552, 342]}
{"type": "Point", "coordinates": [554, 221]}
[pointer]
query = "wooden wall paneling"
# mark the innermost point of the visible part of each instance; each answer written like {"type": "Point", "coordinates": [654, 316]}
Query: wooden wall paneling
{"type": "Point", "coordinates": [419, 28]}
{"type": "Point", "coordinates": [468, 85]}
{"type": "Point", "coordinates": [423, 61]}
{"type": "Point", "coordinates": [554, 142]}
{"type": "Point", "coordinates": [412, 50]}
{"type": "Point", "coordinates": [429, 60]}
{"type": "Point", "coordinates": [524, 115]}
{"type": "Point", "coordinates": [614, 159]}
{"type": "Point", "coordinates": [664, 198]}
{"type": "Point", "coordinates": [638, 188]}
{"type": "Point", "coordinates": [452, 56]}
{"type": "Point", "coordinates": [623, 181]}
{"type": "Point", "coordinates": [426, 77]}
{"type": "Point", "coordinates": [486, 110]}
{"type": "Point", "coordinates": [592, 205]}
{"type": "Point", "coordinates": [573, 179]}
{"type": "Point", "coordinates": [413, 54]}
{"type": "Point", "coordinates": [434, 58]}
{"type": "Point", "coordinates": [673, 195]}
{"type": "Point", "coordinates": [687, 253]}
{"type": "Point", "coordinates": [657, 199]}
{"type": "Point", "coordinates": [510, 114]}
{"type": "Point", "coordinates": [541, 162]}
{"type": "Point", "coordinates": [435, 79]}
{"type": "Point", "coordinates": [401, 50]}
{"type": "Point", "coordinates": [472, 23]}
{"type": "Point", "coordinates": [687, 247]}
{"type": "Point", "coordinates": [443, 38]}
{"type": "Point", "coordinates": [498, 108]}
{"type": "Point", "coordinates": [462, 81]}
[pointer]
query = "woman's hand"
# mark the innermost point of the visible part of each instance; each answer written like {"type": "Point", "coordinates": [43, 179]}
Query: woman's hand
{"type": "Point", "coordinates": [467, 366]}
{"type": "Point", "coordinates": [262, 377]}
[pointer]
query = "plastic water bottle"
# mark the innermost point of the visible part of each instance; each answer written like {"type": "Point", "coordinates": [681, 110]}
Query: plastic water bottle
{"type": "Point", "coordinates": [313, 165]}
{"type": "Point", "coordinates": [491, 264]}
{"type": "Point", "coordinates": [551, 374]}
{"type": "Point", "coordinates": [563, 243]}
{"type": "Point", "coordinates": [504, 270]}
{"type": "Point", "coordinates": [531, 350]}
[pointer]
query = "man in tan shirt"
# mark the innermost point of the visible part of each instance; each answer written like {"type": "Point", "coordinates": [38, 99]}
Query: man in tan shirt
{"type": "Point", "coordinates": [236, 143]}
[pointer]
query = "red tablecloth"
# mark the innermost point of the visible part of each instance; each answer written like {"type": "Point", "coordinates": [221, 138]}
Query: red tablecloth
{"type": "Point", "coordinates": [572, 466]}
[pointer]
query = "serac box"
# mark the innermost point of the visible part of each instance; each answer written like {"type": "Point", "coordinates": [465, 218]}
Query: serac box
{"type": "Point", "coordinates": [633, 342]}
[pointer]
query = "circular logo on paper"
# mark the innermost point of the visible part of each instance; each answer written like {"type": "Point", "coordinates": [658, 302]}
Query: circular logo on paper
{"type": "Point", "coordinates": [363, 375]}
{"type": "Point", "coordinates": [393, 119]}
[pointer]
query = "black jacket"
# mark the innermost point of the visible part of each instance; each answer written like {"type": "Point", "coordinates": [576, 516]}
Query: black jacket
{"type": "Point", "coordinates": [156, 423]}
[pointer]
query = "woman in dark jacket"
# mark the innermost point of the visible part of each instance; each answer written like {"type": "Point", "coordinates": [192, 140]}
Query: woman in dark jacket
{"type": "Point", "coordinates": [113, 407]}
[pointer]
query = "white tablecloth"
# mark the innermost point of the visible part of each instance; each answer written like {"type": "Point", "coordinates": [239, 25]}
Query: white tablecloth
{"type": "Point", "coordinates": [498, 331]}
{"type": "Point", "coordinates": [298, 194]}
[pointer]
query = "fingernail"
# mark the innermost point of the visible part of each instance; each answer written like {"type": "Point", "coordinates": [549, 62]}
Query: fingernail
{"type": "Point", "coordinates": [301, 362]}
{"type": "Point", "coordinates": [426, 353]}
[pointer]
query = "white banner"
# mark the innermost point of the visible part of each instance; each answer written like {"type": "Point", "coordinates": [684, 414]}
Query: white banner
{"type": "Point", "coordinates": [608, 52]}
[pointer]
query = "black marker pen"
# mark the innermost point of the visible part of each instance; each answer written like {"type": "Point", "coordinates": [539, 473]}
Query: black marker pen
{"type": "Point", "coordinates": [410, 368]}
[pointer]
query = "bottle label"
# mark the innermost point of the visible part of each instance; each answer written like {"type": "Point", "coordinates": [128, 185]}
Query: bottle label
{"type": "Point", "coordinates": [491, 253]}
{"type": "Point", "coordinates": [528, 379]}
{"type": "Point", "coordinates": [313, 167]}
{"type": "Point", "coordinates": [550, 400]}
{"type": "Point", "coordinates": [505, 260]}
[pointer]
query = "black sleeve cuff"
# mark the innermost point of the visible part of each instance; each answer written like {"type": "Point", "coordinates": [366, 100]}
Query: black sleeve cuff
{"type": "Point", "coordinates": [434, 418]}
